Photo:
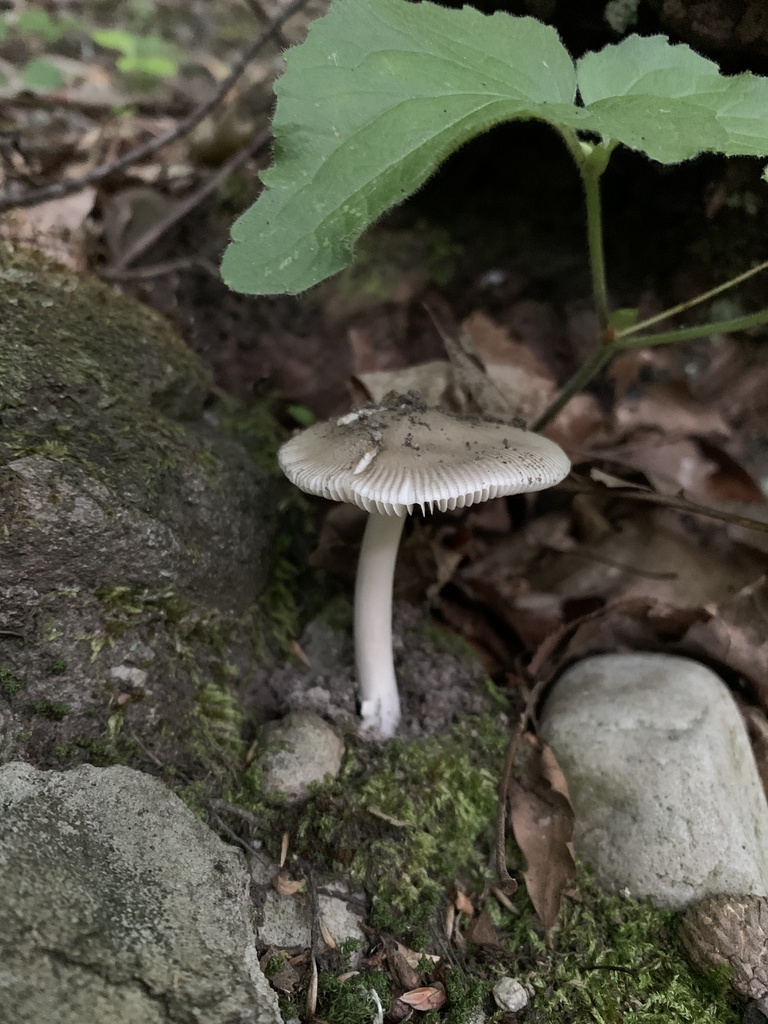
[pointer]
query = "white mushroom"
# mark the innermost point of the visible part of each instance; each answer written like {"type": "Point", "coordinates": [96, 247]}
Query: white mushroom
{"type": "Point", "coordinates": [388, 459]}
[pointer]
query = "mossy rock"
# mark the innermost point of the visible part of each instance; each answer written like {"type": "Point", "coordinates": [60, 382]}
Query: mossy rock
{"type": "Point", "coordinates": [134, 533]}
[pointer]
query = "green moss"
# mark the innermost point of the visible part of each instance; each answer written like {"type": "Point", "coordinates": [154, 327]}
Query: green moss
{"type": "Point", "coordinates": [407, 820]}
{"type": "Point", "coordinates": [446, 642]}
{"type": "Point", "coordinates": [406, 828]}
{"type": "Point", "coordinates": [9, 682]}
{"type": "Point", "coordinates": [53, 710]}
{"type": "Point", "coordinates": [279, 623]}
{"type": "Point", "coordinates": [351, 1001]}
{"type": "Point", "coordinates": [102, 751]}
{"type": "Point", "coordinates": [63, 751]}
{"type": "Point", "coordinates": [221, 717]}
{"type": "Point", "coordinates": [613, 959]}
{"type": "Point", "coordinates": [58, 666]}
{"type": "Point", "coordinates": [257, 430]}
{"type": "Point", "coordinates": [465, 994]}
{"type": "Point", "coordinates": [103, 374]}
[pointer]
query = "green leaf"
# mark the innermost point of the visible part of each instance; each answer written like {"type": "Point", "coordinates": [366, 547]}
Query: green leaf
{"type": "Point", "coordinates": [40, 75]}
{"type": "Point", "coordinates": [379, 94]}
{"type": "Point", "coordinates": [622, 319]}
{"type": "Point", "coordinates": [40, 23]}
{"type": "Point", "coordinates": [382, 91]}
{"type": "Point", "coordinates": [670, 103]}
{"type": "Point", "coordinates": [301, 415]}
{"type": "Point", "coordinates": [147, 55]}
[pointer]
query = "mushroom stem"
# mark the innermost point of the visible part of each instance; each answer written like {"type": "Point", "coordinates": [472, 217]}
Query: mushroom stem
{"type": "Point", "coordinates": [379, 700]}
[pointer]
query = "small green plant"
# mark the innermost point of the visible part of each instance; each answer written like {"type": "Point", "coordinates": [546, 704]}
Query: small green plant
{"type": "Point", "coordinates": [143, 55]}
{"type": "Point", "coordinates": [54, 710]}
{"type": "Point", "coordinates": [381, 92]}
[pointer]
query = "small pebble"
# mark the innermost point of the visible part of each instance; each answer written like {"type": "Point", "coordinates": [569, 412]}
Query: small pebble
{"type": "Point", "coordinates": [510, 995]}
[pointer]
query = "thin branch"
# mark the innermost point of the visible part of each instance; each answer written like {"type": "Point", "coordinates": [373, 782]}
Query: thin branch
{"type": "Point", "coordinates": [690, 303]}
{"type": "Point", "coordinates": [69, 186]}
{"type": "Point", "coordinates": [185, 206]}
{"type": "Point", "coordinates": [636, 492]}
{"type": "Point", "coordinates": [507, 883]}
{"type": "Point", "coordinates": [161, 269]}
{"type": "Point", "coordinates": [259, 9]}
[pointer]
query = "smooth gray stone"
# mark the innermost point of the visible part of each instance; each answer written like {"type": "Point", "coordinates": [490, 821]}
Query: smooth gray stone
{"type": "Point", "coordinates": [118, 906]}
{"type": "Point", "coordinates": [664, 785]}
{"type": "Point", "coordinates": [298, 750]}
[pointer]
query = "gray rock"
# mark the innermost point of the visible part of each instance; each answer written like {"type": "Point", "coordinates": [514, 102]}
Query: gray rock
{"type": "Point", "coordinates": [298, 750]}
{"type": "Point", "coordinates": [287, 921]}
{"type": "Point", "coordinates": [134, 531]}
{"type": "Point", "coordinates": [118, 905]}
{"type": "Point", "coordinates": [662, 778]}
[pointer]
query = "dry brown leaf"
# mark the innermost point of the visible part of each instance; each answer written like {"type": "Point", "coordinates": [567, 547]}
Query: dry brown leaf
{"type": "Point", "coordinates": [429, 997]}
{"type": "Point", "coordinates": [576, 423]}
{"type": "Point", "coordinates": [405, 971]}
{"type": "Point", "coordinates": [129, 213]}
{"type": "Point", "coordinates": [429, 379]}
{"type": "Point", "coordinates": [299, 653]}
{"type": "Point", "coordinates": [325, 934]}
{"type": "Point", "coordinates": [482, 931]}
{"type": "Point", "coordinates": [624, 624]}
{"type": "Point", "coordinates": [494, 345]}
{"type": "Point", "coordinates": [542, 821]}
{"type": "Point", "coordinates": [397, 822]}
{"type": "Point", "coordinates": [735, 633]}
{"type": "Point", "coordinates": [463, 903]}
{"type": "Point", "coordinates": [671, 409]}
{"type": "Point", "coordinates": [757, 726]}
{"type": "Point", "coordinates": [470, 388]}
{"type": "Point", "coordinates": [413, 957]}
{"type": "Point", "coordinates": [55, 229]}
{"type": "Point", "coordinates": [699, 468]}
{"type": "Point", "coordinates": [286, 885]}
{"type": "Point", "coordinates": [311, 1003]}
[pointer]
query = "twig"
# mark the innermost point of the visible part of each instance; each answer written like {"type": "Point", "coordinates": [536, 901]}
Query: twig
{"type": "Point", "coordinates": [259, 9]}
{"type": "Point", "coordinates": [507, 883]}
{"type": "Point", "coordinates": [160, 269]}
{"type": "Point", "coordinates": [635, 492]}
{"type": "Point", "coordinates": [69, 186]}
{"type": "Point", "coordinates": [185, 206]}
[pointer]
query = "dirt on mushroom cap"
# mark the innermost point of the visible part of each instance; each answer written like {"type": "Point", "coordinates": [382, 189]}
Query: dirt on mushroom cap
{"type": "Point", "coordinates": [391, 457]}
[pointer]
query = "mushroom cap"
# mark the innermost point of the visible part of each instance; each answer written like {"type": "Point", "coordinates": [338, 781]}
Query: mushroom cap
{"type": "Point", "coordinates": [391, 457]}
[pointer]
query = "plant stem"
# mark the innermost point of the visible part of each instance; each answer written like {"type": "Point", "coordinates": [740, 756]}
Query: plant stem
{"type": "Point", "coordinates": [591, 161]}
{"type": "Point", "coordinates": [578, 381]}
{"type": "Point", "coordinates": [590, 176]}
{"type": "Point", "coordinates": [690, 303]}
{"type": "Point", "coordinates": [741, 323]}
{"type": "Point", "coordinates": [605, 353]}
